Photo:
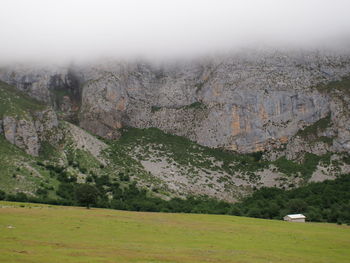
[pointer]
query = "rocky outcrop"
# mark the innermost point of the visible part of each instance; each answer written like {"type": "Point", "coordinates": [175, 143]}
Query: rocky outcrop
{"type": "Point", "coordinates": [247, 102]}
{"type": "Point", "coordinates": [45, 124]}
{"type": "Point", "coordinates": [28, 131]}
{"type": "Point", "coordinates": [340, 107]}
{"type": "Point", "coordinates": [21, 133]}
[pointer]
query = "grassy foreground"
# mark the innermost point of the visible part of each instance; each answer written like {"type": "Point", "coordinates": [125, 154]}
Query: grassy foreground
{"type": "Point", "coordinates": [41, 233]}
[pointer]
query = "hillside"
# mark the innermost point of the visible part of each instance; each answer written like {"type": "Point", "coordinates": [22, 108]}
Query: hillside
{"type": "Point", "coordinates": [191, 136]}
{"type": "Point", "coordinates": [36, 233]}
{"type": "Point", "coordinates": [43, 156]}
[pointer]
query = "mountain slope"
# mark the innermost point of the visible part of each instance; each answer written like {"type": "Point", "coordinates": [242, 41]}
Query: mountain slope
{"type": "Point", "coordinates": [304, 129]}
{"type": "Point", "coordinates": [167, 165]}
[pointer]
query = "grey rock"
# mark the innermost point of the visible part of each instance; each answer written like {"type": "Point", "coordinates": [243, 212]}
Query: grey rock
{"type": "Point", "coordinates": [45, 123]}
{"type": "Point", "coordinates": [249, 101]}
{"type": "Point", "coordinates": [9, 126]}
{"type": "Point", "coordinates": [28, 132]}
{"type": "Point", "coordinates": [22, 133]}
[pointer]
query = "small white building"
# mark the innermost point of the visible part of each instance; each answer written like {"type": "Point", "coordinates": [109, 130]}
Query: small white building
{"type": "Point", "coordinates": [295, 218]}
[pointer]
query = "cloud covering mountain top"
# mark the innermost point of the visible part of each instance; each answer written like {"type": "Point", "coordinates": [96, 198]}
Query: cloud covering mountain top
{"type": "Point", "coordinates": [86, 29]}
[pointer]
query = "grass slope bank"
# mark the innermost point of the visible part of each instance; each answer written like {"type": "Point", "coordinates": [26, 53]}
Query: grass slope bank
{"type": "Point", "coordinates": [39, 233]}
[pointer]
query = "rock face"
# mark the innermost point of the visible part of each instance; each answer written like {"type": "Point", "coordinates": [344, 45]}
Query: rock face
{"type": "Point", "coordinates": [245, 102]}
{"type": "Point", "coordinates": [21, 133]}
{"type": "Point", "coordinates": [340, 108]}
{"type": "Point", "coordinates": [45, 122]}
{"type": "Point", "coordinates": [27, 133]}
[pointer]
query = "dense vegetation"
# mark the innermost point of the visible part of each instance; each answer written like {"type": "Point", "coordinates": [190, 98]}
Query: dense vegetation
{"type": "Point", "coordinates": [112, 194]}
{"type": "Point", "coordinates": [328, 201]}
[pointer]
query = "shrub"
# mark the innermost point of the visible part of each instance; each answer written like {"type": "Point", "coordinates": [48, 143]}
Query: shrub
{"type": "Point", "coordinates": [2, 195]}
{"type": "Point", "coordinates": [66, 191]}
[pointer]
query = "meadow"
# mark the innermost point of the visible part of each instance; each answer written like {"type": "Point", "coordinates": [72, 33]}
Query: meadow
{"type": "Point", "coordinates": [42, 233]}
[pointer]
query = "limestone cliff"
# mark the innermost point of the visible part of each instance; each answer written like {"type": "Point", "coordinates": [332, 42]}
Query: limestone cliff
{"type": "Point", "coordinates": [246, 102]}
{"type": "Point", "coordinates": [302, 127]}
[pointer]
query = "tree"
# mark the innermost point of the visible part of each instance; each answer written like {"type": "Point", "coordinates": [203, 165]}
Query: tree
{"type": "Point", "coordinates": [86, 194]}
{"type": "Point", "coordinates": [297, 205]}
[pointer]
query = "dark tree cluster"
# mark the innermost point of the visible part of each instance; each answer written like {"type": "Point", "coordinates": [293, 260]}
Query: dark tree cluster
{"type": "Point", "coordinates": [327, 201]}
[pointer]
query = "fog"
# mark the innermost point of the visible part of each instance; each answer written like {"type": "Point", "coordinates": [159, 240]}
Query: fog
{"type": "Point", "coordinates": [66, 30]}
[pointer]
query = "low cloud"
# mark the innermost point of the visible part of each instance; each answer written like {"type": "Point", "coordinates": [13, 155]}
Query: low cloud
{"type": "Point", "coordinates": [66, 30]}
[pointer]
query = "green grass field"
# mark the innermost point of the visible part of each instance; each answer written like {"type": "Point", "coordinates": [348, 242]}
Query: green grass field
{"type": "Point", "coordinates": [41, 233]}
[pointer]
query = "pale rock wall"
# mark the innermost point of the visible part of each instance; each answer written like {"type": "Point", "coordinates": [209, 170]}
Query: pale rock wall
{"type": "Point", "coordinates": [246, 102]}
{"type": "Point", "coordinates": [27, 133]}
{"type": "Point", "coordinates": [21, 133]}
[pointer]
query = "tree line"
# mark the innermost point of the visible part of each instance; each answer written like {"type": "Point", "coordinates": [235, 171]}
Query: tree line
{"type": "Point", "coordinates": [327, 201]}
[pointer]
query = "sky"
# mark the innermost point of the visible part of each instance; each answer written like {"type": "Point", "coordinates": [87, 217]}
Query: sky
{"type": "Point", "coordinates": [65, 30]}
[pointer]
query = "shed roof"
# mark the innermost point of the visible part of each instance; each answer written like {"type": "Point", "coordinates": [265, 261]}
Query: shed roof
{"type": "Point", "coordinates": [295, 216]}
